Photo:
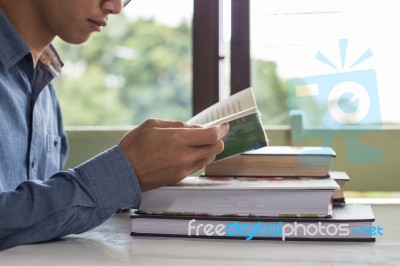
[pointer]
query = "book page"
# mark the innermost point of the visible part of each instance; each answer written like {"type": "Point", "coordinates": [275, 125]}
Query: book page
{"type": "Point", "coordinates": [265, 183]}
{"type": "Point", "coordinates": [237, 105]}
{"type": "Point", "coordinates": [294, 150]}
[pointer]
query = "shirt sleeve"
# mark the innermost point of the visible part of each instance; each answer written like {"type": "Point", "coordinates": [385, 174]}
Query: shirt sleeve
{"type": "Point", "coordinates": [72, 201]}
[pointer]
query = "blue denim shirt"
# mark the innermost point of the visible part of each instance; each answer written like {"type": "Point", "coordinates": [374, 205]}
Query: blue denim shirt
{"type": "Point", "coordinates": [38, 201]}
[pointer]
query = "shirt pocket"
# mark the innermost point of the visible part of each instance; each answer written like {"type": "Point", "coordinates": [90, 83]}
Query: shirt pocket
{"type": "Point", "coordinates": [52, 155]}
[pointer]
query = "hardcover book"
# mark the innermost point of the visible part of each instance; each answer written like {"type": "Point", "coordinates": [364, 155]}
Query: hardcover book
{"type": "Point", "coordinates": [276, 161]}
{"type": "Point", "coordinates": [341, 179]}
{"type": "Point", "coordinates": [259, 196]}
{"type": "Point", "coordinates": [348, 223]}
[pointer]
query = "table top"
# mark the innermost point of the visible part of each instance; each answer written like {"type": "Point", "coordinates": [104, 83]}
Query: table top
{"type": "Point", "coordinates": [111, 244]}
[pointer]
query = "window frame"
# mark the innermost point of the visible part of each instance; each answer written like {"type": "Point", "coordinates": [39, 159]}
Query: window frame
{"type": "Point", "coordinates": [209, 55]}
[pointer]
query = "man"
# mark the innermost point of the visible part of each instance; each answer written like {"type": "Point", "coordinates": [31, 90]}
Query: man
{"type": "Point", "coordinates": [35, 207]}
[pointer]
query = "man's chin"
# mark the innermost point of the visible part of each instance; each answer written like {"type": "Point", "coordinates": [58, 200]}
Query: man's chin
{"type": "Point", "coordinates": [76, 39]}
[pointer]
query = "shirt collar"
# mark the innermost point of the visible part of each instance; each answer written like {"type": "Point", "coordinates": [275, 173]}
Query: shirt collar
{"type": "Point", "coordinates": [51, 61]}
{"type": "Point", "coordinates": [13, 49]}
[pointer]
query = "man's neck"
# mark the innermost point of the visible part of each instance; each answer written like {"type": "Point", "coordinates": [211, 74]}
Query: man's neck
{"type": "Point", "coordinates": [29, 25]}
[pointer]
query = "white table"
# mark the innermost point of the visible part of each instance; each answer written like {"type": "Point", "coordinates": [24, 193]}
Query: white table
{"type": "Point", "coordinates": [111, 244]}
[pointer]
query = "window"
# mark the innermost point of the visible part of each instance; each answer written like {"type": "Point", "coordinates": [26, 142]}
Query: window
{"type": "Point", "coordinates": [321, 39]}
{"type": "Point", "coordinates": [143, 65]}
{"type": "Point", "coordinates": [138, 67]}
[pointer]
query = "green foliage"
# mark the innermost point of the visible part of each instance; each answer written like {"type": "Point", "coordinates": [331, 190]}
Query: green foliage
{"type": "Point", "coordinates": [270, 91]}
{"type": "Point", "coordinates": [132, 71]}
{"type": "Point", "coordinates": [86, 100]}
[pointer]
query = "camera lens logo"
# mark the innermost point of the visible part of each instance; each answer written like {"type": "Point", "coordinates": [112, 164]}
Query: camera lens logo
{"type": "Point", "coordinates": [346, 99]}
{"type": "Point", "coordinates": [349, 103]}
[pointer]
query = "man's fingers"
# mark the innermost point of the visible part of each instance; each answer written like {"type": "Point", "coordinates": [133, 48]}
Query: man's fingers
{"type": "Point", "coordinates": [206, 136]}
{"type": "Point", "coordinates": [169, 124]}
{"type": "Point", "coordinates": [197, 153]}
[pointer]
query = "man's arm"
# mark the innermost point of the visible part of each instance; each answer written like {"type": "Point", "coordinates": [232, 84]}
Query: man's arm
{"type": "Point", "coordinates": [73, 201]}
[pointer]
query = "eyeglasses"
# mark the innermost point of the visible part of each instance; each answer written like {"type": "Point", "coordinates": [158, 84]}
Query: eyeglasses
{"type": "Point", "coordinates": [125, 2]}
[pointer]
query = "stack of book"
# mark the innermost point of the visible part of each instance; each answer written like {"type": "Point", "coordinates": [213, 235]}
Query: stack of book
{"type": "Point", "coordinates": [280, 193]}
{"type": "Point", "coordinates": [284, 162]}
{"type": "Point", "coordinates": [255, 191]}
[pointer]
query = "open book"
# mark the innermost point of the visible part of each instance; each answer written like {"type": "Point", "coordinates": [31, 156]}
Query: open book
{"type": "Point", "coordinates": [240, 111]}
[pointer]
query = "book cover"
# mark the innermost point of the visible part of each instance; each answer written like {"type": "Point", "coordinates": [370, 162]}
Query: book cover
{"type": "Point", "coordinates": [348, 223]}
{"type": "Point", "coordinates": [246, 131]}
{"type": "Point", "coordinates": [245, 134]}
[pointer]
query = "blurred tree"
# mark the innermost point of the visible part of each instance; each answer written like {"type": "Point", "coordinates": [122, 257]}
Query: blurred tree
{"type": "Point", "coordinates": [86, 100]}
{"type": "Point", "coordinates": [132, 71]}
{"type": "Point", "coordinates": [270, 92]}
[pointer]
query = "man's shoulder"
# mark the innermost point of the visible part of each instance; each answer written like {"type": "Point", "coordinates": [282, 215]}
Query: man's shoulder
{"type": "Point", "coordinates": [13, 47]}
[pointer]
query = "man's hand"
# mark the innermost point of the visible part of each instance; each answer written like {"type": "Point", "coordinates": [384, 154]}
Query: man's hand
{"type": "Point", "coordinates": [164, 152]}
